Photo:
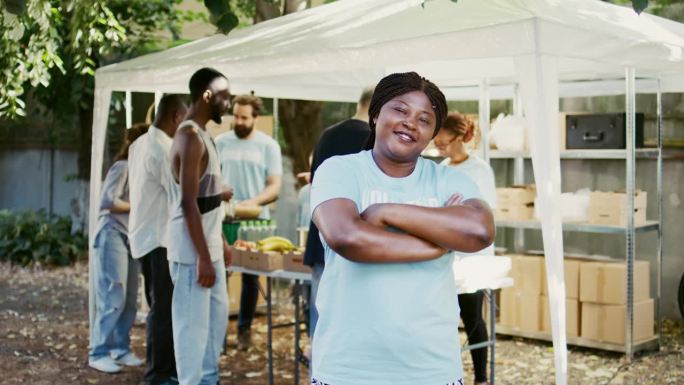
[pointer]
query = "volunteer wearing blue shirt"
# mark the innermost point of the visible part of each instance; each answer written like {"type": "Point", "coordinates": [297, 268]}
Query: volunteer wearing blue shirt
{"type": "Point", "coordinates": [387, 218]}
{"type": "Point", "coordinates": [251, 164]}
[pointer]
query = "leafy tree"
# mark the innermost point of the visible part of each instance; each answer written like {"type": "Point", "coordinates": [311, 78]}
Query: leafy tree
{"type": "Point", "coordinates": [49, 50]}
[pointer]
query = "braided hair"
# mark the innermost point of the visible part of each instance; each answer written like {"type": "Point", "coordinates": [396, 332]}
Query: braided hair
{"type": "Point", "coordinates": [398, 84]}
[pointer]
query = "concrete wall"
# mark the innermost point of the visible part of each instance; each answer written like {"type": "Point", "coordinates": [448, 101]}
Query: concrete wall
{"type": "Point", "coordinates": [24, 180]}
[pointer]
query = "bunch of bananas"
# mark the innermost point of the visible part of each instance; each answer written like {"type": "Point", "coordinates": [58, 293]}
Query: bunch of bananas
{"type": "Point", "coordinates": [278, 244]}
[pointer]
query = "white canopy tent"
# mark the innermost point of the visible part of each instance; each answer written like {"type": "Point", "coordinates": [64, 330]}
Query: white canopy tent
{"type": "Point", "coordinates": [533, 50]}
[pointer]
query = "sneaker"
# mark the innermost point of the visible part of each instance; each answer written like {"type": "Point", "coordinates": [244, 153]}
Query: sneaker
{"type": "Point", "coordinates": [129, 359]}
{"type": "Point", "coordinates": [104, 364]}
{"type": "Point", "coordinates": [244, 340]}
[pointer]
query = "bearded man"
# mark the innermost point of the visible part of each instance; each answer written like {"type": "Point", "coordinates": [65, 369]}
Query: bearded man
{"type": "Point", "coordinates": [251, 164]}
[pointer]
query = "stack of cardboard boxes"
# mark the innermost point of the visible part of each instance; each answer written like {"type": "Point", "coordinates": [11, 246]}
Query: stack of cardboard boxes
{"type": "Point", "coordinates": [595, 297]}
{"type": "Point", "coordinates": [269, 260]}
{"type": "Point", "coordinates": [603, 293]}
{"type": "Point", "coordinates": [520, 305]}
{"type": "Point", "coordinates": [515, 203]}
{"type": "Point", "coordinates": [571, 268]}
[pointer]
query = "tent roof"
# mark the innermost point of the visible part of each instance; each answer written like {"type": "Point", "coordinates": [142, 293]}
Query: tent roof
{"type": "Point", "coordinates": [330, 52]}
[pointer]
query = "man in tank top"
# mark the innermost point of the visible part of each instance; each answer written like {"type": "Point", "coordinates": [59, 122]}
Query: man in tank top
{"type": "Point", "coordinates": [197, 248]}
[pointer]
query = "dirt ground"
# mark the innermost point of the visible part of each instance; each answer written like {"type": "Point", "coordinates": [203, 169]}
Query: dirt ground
{"type": "Point", "coordinates": [44, 340]}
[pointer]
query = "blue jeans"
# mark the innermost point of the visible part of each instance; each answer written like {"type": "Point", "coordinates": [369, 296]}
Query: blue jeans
{"type": "Point", "coordinates": [116, 289]}
{"type": "Point", "coordinates": [200, 320]}
{"type": "Point", "coordinates": [316, 272]}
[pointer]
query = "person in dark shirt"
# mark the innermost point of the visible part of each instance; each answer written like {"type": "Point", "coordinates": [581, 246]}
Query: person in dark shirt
{"type": "Point", "coordinates": [346, 137]}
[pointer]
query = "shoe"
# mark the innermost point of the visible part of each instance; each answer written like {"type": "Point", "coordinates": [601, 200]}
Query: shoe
{"type": "Point", "coordinates": [129, 359]}
{"type": "Point", "coordinates": [104, 364]}
{"type": "Point", "coordinates": [244, 340]}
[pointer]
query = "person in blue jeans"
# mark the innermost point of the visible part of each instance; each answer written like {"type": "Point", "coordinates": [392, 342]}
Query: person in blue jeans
{"type": "Point", "coordinates": [388, 219]}
{"type": "Point", "coordinates": [197, 251]}
{"type": "Point", "coordinates": [116, 273]}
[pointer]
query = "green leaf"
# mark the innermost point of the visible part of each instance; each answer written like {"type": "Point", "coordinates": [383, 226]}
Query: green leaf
{"type": "Point", "coordinates": [639, 5]}
{"type": "Point", "coordinates": [227, 22]}
{"type": "Point", "coordinates": [217, 8]}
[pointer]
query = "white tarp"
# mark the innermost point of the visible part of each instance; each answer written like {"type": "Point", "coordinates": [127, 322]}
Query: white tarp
{"type": "Point", "coordinates": [331, 52]}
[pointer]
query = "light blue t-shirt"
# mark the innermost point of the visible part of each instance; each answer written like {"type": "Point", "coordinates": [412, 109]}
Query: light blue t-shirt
{"type": "Point", "coordinates": [245, 164]}
{"type": "Point", "coordinates": [387, 323]}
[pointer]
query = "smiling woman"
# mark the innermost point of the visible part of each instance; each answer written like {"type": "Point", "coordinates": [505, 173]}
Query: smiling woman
{"type": "Point", "coordinates": [388, 219]}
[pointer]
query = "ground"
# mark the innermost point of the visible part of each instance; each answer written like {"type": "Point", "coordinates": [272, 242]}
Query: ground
{"type": "Point", "coordinates": [44, 339]}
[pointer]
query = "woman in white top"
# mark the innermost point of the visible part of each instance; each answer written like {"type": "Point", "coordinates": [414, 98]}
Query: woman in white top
{"type": "Point", "coordinates": [456, 131]}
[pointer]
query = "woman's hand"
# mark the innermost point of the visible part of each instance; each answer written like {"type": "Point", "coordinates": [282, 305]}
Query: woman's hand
{"type": "Point", "coordinates": [374, 214]}
{"type": "Point", "coordinates": [456, 199]}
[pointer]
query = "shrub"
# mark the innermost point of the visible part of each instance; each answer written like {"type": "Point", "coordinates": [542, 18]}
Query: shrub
{"type": "Point", "coordinates": [34, 237]}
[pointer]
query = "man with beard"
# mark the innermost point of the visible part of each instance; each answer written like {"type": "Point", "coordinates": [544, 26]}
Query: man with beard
{"type": "Point", "coordinates": [252, 164]}
{"type": "Point", "coordinates": [148, 175]}
{"type": "Point", "coordinates": [198, 253]}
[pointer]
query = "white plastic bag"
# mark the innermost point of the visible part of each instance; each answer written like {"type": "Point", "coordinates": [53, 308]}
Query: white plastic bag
{"type": "Point", "coordinates": [508, 133]}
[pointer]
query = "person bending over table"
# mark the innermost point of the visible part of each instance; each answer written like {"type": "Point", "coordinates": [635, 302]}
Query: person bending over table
{"type": "Point", "coordinates": [388, 219]}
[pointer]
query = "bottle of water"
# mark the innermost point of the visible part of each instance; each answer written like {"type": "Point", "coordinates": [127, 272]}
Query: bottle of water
{"type": "Point", "coordinates": [272, 227]}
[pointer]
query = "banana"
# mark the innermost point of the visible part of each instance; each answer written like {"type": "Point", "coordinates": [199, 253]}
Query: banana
{"type": "Point", "coordinates": [278, 244]}
{"type": "Point", "coordinates": [275, 238]}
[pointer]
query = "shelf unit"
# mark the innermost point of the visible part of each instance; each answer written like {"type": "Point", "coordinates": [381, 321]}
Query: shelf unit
{"type": "Point", "coordinates": [629, 155]}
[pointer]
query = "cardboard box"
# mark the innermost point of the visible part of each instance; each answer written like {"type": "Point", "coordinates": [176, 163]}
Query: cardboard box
{"type": "Point", "coordinates": [237, 255]}
{"type": "Point", "coordinates": [250, 259]}
{"type": "Point", "coordinates": [527, 272]}
{"type": "Point", "coordinates": [294, 261]}
{"type": "Point", "coordinates": [269, 261]}
{"type": "Point", "coordinates": [605, 282]}
{"type": "Point", "coordinates": [606, 323]}
{"type": "Point", "coordinates": [571, 269]}
{"type": "Point", "coordinates": [515, 195]}
{"type": "Point", "coordinates": [235, 290]}
{"type": "Point", "coordinates": [572, 316]}
{"type": "Point", "coordinates": [520, 311]}
{"type": "Point", "coordinates": [610, 208]}
{"type": "Point", "coordinates": [515, 203]}
{"type": "Point", "coordinates": [514, 213]}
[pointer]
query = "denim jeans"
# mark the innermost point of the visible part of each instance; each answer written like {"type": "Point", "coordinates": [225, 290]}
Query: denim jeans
{"type": "Point", "coordinates": [116, 289]}
{"type": "Point", "coordinates": [200, 319]}
{"type": "Point", "coordinates": [249, 295]}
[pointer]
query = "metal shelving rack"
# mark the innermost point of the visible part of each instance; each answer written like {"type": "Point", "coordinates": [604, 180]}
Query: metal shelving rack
{"type": "Point", "coordinates": [630, 154]}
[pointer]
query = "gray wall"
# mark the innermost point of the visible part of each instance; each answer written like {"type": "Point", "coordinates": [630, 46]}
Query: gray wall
{"type": "Point", "coordinates": [24, 180]}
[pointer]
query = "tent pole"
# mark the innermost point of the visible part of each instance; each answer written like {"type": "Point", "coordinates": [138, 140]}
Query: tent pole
{"type": "Point", "coordinates": [659, 183]}
{"type": "Point", "coordinates": [630, 104]}
{"type": "Point", "coordinates": [518, 172]}
{"type": "Point", "coordinates": [129, 109]}
{"type": "Point", "coordinates": [484, 112]}
{"type": "Point", "coordinates": [276, 122]}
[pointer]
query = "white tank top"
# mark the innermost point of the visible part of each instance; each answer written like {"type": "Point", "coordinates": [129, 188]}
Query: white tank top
{"type": "Point", "coordinates": [180, 246]}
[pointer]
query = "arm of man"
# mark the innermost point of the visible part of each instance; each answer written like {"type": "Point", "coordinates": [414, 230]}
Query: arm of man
{"type": "Point", "coordinates": [274, 172]}
{"type": "Point", "coordinates": [190, 152]}
{"type": "Point", "coordinates": [355, 239]}
{"type": "Point", "coordinates": [268, 194]}
{"type": "Point", "coordinates": [465, 227]}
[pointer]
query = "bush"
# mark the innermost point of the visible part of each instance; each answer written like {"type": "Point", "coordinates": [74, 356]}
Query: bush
{"type": "Point", "coordinates": [34, 237]}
